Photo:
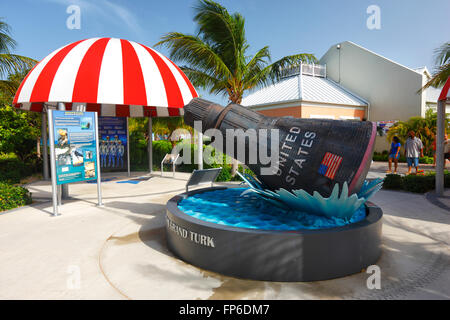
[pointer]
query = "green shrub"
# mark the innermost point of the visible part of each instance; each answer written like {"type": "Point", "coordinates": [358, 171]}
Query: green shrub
{"type": "Point", "coordinates": [12, 170]}
{"type": "Point", "coordinates": [413, 183]}
{"type": "Point", "coordinates": [379, 157]}
{"type": "Point", "coordinates": [138, 152]}
{"type": "Point", "coordinates": [426, 160]}
{"type": "Point", "coordinates": [216, 160]}
{"type": "Point", "coordinates": [225, 174]}
{"type": "Point", "coordinates": [393, 181]}
{"type": "Point", "coordinates": [160, 149]}
{"type": "Point", "coordinates": [418, 184]}
{"type": "Point", "coordinates": [12, 197]}
{"type": "Point", "coordinates": [242, 170]}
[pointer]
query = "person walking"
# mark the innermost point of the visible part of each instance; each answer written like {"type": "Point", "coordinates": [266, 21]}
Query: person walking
{"type": "Point", "coordinates": [413, 149]}
{"type": "Point", "coordinates": [394, 154]}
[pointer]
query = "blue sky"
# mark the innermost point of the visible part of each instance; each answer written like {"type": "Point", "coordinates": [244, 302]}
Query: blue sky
{"type": "Point", "coordinates": [410, 30]}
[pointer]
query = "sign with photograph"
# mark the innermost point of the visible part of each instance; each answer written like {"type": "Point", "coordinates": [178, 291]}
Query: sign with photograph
{"type": "Point", "coordinates": [113, 143]}
{"type": "Point", "coordinates": [75, 146]}
{"type": "Point", "coordinates": [384, 126]}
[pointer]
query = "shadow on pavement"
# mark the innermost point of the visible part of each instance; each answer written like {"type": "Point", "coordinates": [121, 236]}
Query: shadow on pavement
{"type": "Point", "coordinates": [152, 209]}
{"type": "Point", "coordinates": [441, 202]}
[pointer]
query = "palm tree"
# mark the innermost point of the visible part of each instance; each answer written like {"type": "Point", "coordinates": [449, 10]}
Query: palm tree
{"type": "Point", "coordinates": [442, 69]}
{"type": "Point", "coordinates": [218, 58]}
{"type": "Point", "coordinates": [11, 64]}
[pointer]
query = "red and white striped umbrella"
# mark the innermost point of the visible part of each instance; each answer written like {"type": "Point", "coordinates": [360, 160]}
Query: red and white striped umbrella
{"type": "Point", "coordinates": [114, 77]}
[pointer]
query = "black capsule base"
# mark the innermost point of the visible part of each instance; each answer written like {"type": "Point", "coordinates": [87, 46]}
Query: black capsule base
{"type": "Point", "coordinates": [304, 255]}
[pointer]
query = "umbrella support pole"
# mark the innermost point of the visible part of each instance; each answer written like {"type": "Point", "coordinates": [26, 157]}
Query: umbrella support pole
{"type": "Point", "coordinates": [44, 146]}
{"type": "Point", "coordinates": [55, 188]}
{"type": "Point", "coordinates": [64, 187]}
{"type": "Point", "coordinates": [99, 177]}
{"type": "Point", "coordinates": [440, 132]}
{"type": "Point", "coordinates": [150, 145]}
{"type": "Point", "coordinates": [128, 148]}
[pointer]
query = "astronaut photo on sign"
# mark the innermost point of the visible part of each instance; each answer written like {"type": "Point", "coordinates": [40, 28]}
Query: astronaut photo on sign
{"type": "Point", "coordinates": [62, 148]}
{"type": "Point", "coordinates": [63, 139]}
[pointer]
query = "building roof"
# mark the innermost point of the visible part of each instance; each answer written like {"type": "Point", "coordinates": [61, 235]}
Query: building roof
{"type": "Point", "coordinates": [350, 43]}
{"type": "Point", "coordinates": [304, 88]}
{"type": "Point", "coordinates": [423, 70]}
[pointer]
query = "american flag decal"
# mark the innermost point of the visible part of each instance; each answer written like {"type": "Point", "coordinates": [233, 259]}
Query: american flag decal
{"type": "Point", "coordinates": [330, 165]}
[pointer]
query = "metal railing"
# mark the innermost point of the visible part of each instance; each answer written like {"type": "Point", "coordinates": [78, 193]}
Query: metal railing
{"type": "Point", "coordinates": [315, 70]}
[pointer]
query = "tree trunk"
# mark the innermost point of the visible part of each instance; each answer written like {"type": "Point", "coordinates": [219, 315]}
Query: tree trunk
{"type": "Point", "coordinates": [38, 147]}
{"type": "Point", "coordinates": [235, 98]}
{"type": "Point", "coordinates": [234, 167]}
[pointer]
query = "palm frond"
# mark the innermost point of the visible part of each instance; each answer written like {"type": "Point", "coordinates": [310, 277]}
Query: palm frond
{"type": "Point", "coordinates": [442, 54]}
{"type": "Point", "coordinates": [9, 87]}
{"type": "Point", "coordinates": [200, 78]}
{"type": "Point", "coordinates": [296, 59]}
{"type": "Point", "coordinates": [272, 72]}
{"type": "Point", "coordinates": [204, 80]}
{"type": "Point", "coordinates": [12, 63]}
{"type": "Point", "coordinates": [6, 42]}
{"type": "Point", "coordinates": [439, 77]}
{"type": "Point", "coordinates": [442, 68]}
{"type": "Point", "coordinates": [258, 61]}
{"type": "Point", "coordinates": [255, 71]}
{"type": "Point", "coordinates": [215, 58]}
{"type": "Point", "coordinates": [225, 31]}
{"type": "Point", "coordinates": [195, 51]}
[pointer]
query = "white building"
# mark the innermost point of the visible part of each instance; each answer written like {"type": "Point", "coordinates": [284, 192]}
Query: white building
{"type": "Point", "coordinates": [351, 83]}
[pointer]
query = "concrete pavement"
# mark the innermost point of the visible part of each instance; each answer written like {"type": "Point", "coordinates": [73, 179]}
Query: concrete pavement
{"type": "Point", "coordinates": [118, 251]}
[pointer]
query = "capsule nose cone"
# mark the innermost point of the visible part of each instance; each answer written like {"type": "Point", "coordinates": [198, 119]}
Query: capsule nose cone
{"type": "Point", "coordinates": [196, 110]}
{"type": "Point", "coordinates": [364, 167]}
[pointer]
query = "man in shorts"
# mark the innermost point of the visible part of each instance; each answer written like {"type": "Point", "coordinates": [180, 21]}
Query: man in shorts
{"type": "Point", "coordinates": [413, 149]}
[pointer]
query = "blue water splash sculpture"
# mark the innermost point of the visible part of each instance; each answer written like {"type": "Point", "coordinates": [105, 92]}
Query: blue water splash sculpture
{"type": "Point", "coordinates": [337, 205]}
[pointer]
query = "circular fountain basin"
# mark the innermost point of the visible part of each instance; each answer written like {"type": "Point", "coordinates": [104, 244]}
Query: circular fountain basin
{"type": "Point", "coordinates": [215, 229]}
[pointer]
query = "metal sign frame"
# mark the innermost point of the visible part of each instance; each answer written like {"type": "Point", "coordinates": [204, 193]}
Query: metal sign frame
{"type": "Point", "coordinates": [169, 159]}
{"type": "Point", "coordinates": [197, 177]}
{"type": "Point", "coordinates": [56, 189]}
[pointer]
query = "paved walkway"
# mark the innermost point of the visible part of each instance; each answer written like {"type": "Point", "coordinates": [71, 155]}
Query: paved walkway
{"type": "Point", "coordinates": [378, 169]}
{"type": "Point", "coordinates": [118, 251]}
